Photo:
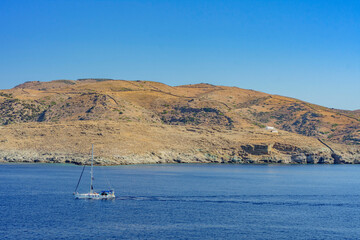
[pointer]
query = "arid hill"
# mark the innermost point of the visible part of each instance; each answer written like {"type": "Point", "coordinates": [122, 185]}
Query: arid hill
{"type": "Point", "coordinates": [150, 122]}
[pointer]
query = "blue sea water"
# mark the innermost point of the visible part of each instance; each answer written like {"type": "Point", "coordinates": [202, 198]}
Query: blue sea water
{"type": "Point", "coordinates": [182, 202]}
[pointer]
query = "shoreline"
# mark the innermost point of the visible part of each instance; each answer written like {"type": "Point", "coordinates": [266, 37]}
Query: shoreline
{"type": "Point", "coordinates": [169, 162]}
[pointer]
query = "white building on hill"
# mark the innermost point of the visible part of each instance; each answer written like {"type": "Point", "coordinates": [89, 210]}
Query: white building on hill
{"type": "Point", "coordinates": [271, 129]}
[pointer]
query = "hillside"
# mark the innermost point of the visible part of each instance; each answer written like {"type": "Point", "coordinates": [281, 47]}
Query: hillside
{"type": "Point", "coordinates": [149, 122]}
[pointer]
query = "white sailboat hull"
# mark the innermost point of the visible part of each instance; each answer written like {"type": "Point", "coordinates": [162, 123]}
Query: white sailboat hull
{"type": "Point", "coordinates": [94, 196]}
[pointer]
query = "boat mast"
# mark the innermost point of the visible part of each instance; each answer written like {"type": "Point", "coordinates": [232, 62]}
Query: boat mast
{"type": "Point", "coordinates": [92, 163]}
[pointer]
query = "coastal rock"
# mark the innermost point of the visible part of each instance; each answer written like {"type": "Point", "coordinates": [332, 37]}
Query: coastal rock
{"type": "Point", "coordinates": [299, 158]}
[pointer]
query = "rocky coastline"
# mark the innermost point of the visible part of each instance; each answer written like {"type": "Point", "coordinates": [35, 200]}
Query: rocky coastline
{"type": "Point", "coordinates": [247, 154]}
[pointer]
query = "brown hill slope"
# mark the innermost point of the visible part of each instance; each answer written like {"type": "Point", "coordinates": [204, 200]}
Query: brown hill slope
{"type": "Point", "coordinates": [148, 119]}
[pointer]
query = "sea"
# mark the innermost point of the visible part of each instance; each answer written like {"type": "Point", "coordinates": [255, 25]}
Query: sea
{"type": "Point", "coordinates": [181, 201]}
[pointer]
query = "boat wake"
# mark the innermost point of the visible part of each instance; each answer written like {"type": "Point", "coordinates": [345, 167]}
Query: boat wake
{"type": "Point", "coordinates": [279, 200]}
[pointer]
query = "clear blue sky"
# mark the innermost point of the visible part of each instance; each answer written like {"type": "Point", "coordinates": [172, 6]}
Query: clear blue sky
{"type": "Point", "coordinates": [304, 49]}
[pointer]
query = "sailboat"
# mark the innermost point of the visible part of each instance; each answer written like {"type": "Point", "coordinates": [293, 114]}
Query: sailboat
{"type": "Point", "coordinates": [106, 194]}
